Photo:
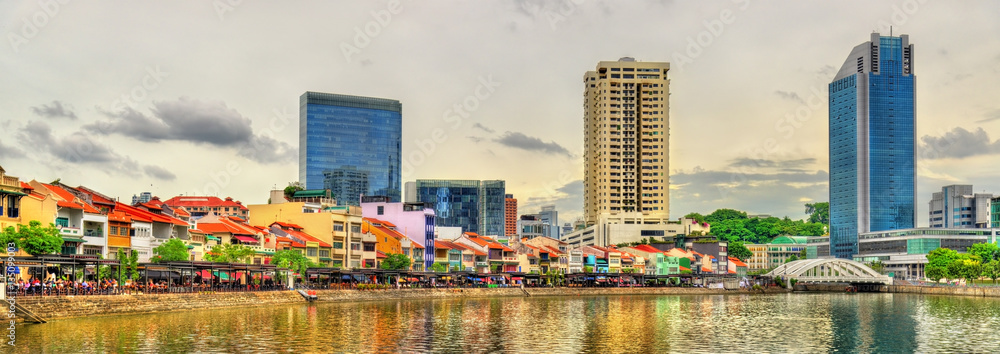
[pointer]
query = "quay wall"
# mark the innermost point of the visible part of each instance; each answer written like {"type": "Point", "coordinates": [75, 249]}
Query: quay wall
{"type": "Point", "coordinates": [908, 289]}
{"type": "Point", "coordinates": [62, 307]}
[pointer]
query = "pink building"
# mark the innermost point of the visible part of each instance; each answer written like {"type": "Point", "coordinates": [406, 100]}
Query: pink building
{"type": "Point", "coordinates": [415, 220]}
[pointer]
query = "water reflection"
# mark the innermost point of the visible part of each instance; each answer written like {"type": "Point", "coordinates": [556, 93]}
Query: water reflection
{"type": "Point", "coordinates": [616, 324]}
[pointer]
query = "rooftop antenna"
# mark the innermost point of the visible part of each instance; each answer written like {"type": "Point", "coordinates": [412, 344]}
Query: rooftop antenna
{"type": "Point", "coordinates": [890, 31]}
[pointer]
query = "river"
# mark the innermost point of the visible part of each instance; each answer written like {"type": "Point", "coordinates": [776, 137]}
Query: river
{"type": "Point", "coordinates": [817, 322]}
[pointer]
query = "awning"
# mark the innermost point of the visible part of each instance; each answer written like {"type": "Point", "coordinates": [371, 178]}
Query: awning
{"type": "Point", "coordinates": [266, 253]}
{"type": "Point", "coordinates": [210, 237]}
{"type": "Point", "coordinates": [73, 239]}
{"type": "Point", "coordinates": [325, 259]}
{"type": "Point", "coordinates": [190, 247]}
{"type": "Point", "coordinates": [246, 239]}
{"type": "Point", "coordinates": [13, 270]}
{"type": "Point", "coordinates": [601, 261]}
{"type": "Point", "coordinates": [12, 193]}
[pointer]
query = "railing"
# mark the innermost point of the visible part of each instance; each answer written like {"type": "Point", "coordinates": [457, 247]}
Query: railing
{"type": "Point", "coordinates": [11, 181]}
{"type": "Point", "coordinates": [74, 231]}
{"type": "Point", "coordinates": [510, 259]}
{"type": "Point", "coordinates": [94, 233]}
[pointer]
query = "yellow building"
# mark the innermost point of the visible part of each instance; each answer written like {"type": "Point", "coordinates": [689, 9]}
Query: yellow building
{"type": "Point", "coordinates": [758, 259]}
{"type": "Point", "coordinates": [338, 226]}
{"type": "Point", "coordinates": [11, 193]}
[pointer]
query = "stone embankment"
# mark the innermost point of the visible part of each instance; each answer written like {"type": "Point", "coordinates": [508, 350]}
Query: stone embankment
{"type": "Point", "coordinates": [907, 289]}
{"type": "Point", "coordinates": [61, 307]}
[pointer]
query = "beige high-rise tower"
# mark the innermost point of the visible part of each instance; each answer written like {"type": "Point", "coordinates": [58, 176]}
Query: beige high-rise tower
{"type": "Point", "coordinates": [626, 134]}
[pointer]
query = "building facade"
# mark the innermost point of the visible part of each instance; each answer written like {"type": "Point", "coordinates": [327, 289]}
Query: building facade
{"type": "Point", "coordinates": [613, 231]}
{"type": "Point", "coordinates": [550, 217]}
{"type": "Point", "coordinates": [957, 206]}
{"type": "Point", "coordinates": [510, 215]}
{"type": "Point", "coordinates": [626, 116]}
{"type": "Point", "coordinates": [475, 206]}
{"type": "Point", "coordinates": [351, 145]}
{"type": "Point", "coordinates": [995, 212]}
{"type": "Point", "coordinates": [904, 252]}
{"type": "Point", "coordinates": [414, 220]}
{"type": "Point", "coordinates": [872, 142]}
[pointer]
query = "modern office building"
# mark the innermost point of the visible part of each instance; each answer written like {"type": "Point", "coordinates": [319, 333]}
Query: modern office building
{"type": "Point", "coordinates": [957, 206]}
{"type": "Point", "coordinates": [995, 212]}
{"type": "Point", "coordinates": [872, 142]}
{"type": "Point", "coordinates": [626, 114]}
{"type": "Point", "coordinates": [510, 215]}
{"type": "Point", "coordinates": [143, 197]}
{"type": "Point", "coordinates": [475, 206]}
{"type": "Point", "coordinates": [550, 217]}
{"type": "Point", "coordinates": [904, 252]}
{"type": "Point", "coordinates": [350, 145]}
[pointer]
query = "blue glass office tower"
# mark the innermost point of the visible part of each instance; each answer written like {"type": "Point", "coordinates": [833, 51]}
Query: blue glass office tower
{"type": "Point", "coordinates": [872, 143]}
{"type": "Point", "coordinates": [475, 206]}
{"type": "Point", "coordinates": [350, 145]}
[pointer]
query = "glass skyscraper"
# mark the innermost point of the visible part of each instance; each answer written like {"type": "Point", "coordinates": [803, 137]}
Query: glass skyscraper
{"type": "Point", "coordinates": [872, 143]}
{"type": "Point", "coordinates": [475, 206]}
{"type": "Point", "coordinates": [350, 145]}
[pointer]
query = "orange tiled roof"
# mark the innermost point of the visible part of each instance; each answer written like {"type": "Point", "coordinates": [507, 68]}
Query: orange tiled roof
{"type": "Point", "coordinates": [307, 237]}
{"type": "Point", "coordinates": [143, 215]}
{"type": "Point", "coordinates": [180, 212]}
{"type": "Point", "coordinates": [118, 216]}
{"type": "Point", "coordinates": [195, 231]}
{"type": "Point", "coordinates": [737, 262]}
{"type": "Point", "coordinates": [203, 201]}
{"type": "Point", "coordinates": [71, 205]}
{"type": "Point", "coordinates": [287, 225]}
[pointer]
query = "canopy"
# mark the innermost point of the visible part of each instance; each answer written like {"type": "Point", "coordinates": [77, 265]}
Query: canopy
{"type": "Point", "coordinates": [73, 239]}
{"type": "Point", "coordinates": [246, 239]}
{"type": "Point", "coordinates": [210, 237]}
{"type": "Point", "coordinates": [222, 275]}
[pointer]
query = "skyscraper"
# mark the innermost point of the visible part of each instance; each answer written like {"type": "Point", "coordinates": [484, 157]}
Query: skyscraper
{"type": "Point", "coordinates": [475, 206]}
{"type": "Point", "coordinates": [872, 142]}
{"type": "Point", "coordinates": [351, 145]}
{"type": "Point", "coordinates": [626, 114]}
{"type": "Point", "coordinates": [957, 206]}
{"type": "Point", "coordinates": [510, 215]}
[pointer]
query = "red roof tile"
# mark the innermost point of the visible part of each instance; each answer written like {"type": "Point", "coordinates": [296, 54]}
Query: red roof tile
{"type": "Point", "coordinates": [307, 237]}
{"type": "Point", "coordinates": [26, 186]}
{"type": "Point", "coordinates": [203, 201]}
{"type": "Point", "coordinates": [71, 205]}
{"type": "Point", "coordinates": [379, 254]}
{"type": "Point", "coordinates": [737, 262]}
{"type": "Point", "coordinates": [118, 216]}
{"type": "Point", "coordinates": [685, 268]}
{"type": "Point", "coordinates": [287, 225]}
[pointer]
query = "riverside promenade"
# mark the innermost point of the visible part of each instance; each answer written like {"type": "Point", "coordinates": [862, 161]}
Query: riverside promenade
{"type": "Point", "coordinates": [62, 307]}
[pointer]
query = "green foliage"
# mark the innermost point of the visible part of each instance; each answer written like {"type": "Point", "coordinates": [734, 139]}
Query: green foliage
{"type": "Point", "coordinates": [967, 268]}
{"type": "Point", "coordinates": [33, 238]}
{"type": "Point", "coordinates": [739, 251]}
{"type": "Point", "coordinates": [129, 265]}
{"type": "Point", "coordinates": [439, 267]}
{"type": "Point", "coordinates": [171, 251]}
{"type": "Point", "coordinates": [293, 260]}
{"type": "Point", "coordinates": [877, 266]}
{"type": "Point", "coordinates": [938, 261]}
{"type": "Point", "coordinates": [292, 188]}
{"type": "Point", "coordinates": [396, 261]}
{"type": "Point", "coordinates": [793, 258]}
{"type": "Point", "coordinates": [588, 269]}
{"type": "Point", "coordinates": [230, 253]}
{"type": "Point", "coordinates": [991, 270]}
{"type": "Point", "coordinates": [725, 214]}
{"type": "Point", "coordinates": [985, 251]}
{"type": "Point", "coordinates": [733, 225]}
{"type": "Point", "coordinates": [819, 212]}
{"type": "Point", "coordinates": [696, 216]}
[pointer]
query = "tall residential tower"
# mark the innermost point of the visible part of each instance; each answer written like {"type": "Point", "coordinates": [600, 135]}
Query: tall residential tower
{"type": "Point", "coordinates": [350, 145]}
{"type": "Point", "coordinates": [625, 120]}
{"type": "Point", "coordinates": [872, 142]}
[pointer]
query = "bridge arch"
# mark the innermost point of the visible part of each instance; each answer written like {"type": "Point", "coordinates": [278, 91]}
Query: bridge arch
{"type": "Point", "coordinates": [829, 270]}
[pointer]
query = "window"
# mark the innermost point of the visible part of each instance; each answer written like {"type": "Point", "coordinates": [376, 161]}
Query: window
{"type": "Point", "coordinates": [114, 230]}
{"type": "Point", "coordinates": [381, 210]}
{"type": "Point", "coordinates": [64, 222]}
{"type": "Point", "coordinates": [355, 246]}
{"type": "Point", "coordinates": [369, 247]}
{"type": "Point", "coordinates": [355, 228]}
{"type": "Point", "coordinates": [338, 245]}
{"type": "Point", "coordinates": [311, 252]}
{"type": "Point", "coordinates": [338, 227]}
{"type": "Point", "coordinates": [467, 258]}
{"type": "Point", "coordinates": [324, 253]}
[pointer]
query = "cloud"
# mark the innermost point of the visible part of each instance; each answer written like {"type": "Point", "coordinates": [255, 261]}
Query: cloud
{"type": "Point", "coordinates": [199, 122]}
{"type": "Point", "coordinates": [792, 96]}
{"type": "Point", "coordinates": [567, 198]}
{"type": "Point", "coordinates": [992, 116]}
{"type": "Point", "coordinates": [529, 143]}
{"type": "Point", "coordinates": [10, 152]}
{"type": "Point", "coordinates": [476, 139]}
{"type": "Point", "coordinates": [776, 194]}
{"type": "Point", "coordinates": [958, 143]}
{"type": "Point", "coordinates": [159, 173]}
{"type": "Point", "coordinates": [56, 110]}
{"type": "Point", "coordinates": [78, 149]}
{"type": "Point", "coordinates": [484, 128]}
{"type": "Point", "coordinates": [765, 163]}
{"type": "Point", "coordinates": [827, 71]}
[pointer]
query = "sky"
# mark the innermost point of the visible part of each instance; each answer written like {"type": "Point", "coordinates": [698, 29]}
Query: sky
{"type": "Point", "coordinates": [201, 98]}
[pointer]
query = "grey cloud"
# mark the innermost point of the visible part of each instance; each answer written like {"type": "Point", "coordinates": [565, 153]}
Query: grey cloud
{"type": "Point", "coordinates": [78, 149]}
{"type": "Point", "coordinates": [992, 116]}
{"type": "Point", "coordinates": [159, 173]}
{"type": "Point", "coordinates": [530, 143]}
{"type": "Point", "coordinates": [827, 71]}
{"type": "Point", "coordinates": [265, 149]}
{"type": "Point", "coordinates": [483, 128]}
{"type": "Point", "coordinates": [778, 194]}
{"type": "Point", "coordinates": [765, 163]}
{"type": "Point", "coordinates": [476, 139]}
{"type": "Point", "coordinates": [55, 110]}
{"type": "Point", "coordinates": [792, 96]}
{"type": "Point", "coordinates": [958, 143]}
{"type": "Point", "coordinates": [10, 152]}
{"type": "Point", "coordinates": [570, 199]}
{"type": "Point", "coordinates": [199, 122]}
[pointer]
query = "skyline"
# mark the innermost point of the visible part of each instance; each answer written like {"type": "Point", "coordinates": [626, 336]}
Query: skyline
{"type": "Point", "coordinates": [517, 64]}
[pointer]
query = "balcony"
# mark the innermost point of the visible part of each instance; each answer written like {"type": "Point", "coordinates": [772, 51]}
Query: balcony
{"type": "Point", "coordinates": [70, 231]}
{"type": "Point", "coordinates": [94, 233]}
{"type": "Point", "coordinates": [510, 259]}
{"type": "Point", "coordinates": [482, 264]}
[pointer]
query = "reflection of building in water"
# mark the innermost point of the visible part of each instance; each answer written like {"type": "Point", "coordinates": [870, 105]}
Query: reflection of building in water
{"type": "Point", "coordinates": [873, 325]}
{"type": "Point", "coordinates": [347, 184]}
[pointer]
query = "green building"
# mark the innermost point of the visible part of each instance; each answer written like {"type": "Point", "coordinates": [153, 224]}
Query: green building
{"type": "Point", "coordinates": [782, 248]}
{"type": "Point", "coordinates": [995, 212]}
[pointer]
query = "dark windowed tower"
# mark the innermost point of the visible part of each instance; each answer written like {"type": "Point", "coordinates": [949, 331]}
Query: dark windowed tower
{"type": "Point", "coordinates": [872, 142]}
{"type": "Point", "coordinates": [350, 145]}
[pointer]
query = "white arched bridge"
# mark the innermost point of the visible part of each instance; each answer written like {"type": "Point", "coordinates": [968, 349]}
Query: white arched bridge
{"type": "Point", "coordinates": [829, 270]}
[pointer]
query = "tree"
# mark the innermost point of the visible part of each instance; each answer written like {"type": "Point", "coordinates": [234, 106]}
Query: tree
{"type": "Point", "coordinates": [967, 268]}
{"type": "Point", "coordinates": [292, 188]}
{"type": "Point", "coordinates": [877, 266]}
{"type": "Point", "coordinates": [696, 216]}
{"type": "Point", "coordinates": [819, 213]}
{"type": "Point", "coordinates": [128, 265]}
{"type": "Point", "coordinates": [793, 258]}
{"type": "Point", "coordinates": [938, 261]}
{"type": "Point", "coordinates": [293, 260]}
{"type": "Point", "coordinates": [439, 267]}
{"type": "Point", "coordinates": [725, 214]}
{"type": "Point", "coordinates": [171, 251]}
{"type": "Point", "coordinates": [739, 251]}
{"type": "Point", "coordinates": [34, 239]}
{"type": "Point", "coordinates": [935, 273]}
{"type": "Point", "coordinates": [991, 270]}
{"type": "Point", "coordinates": [230, 253]}
{"type": "Point", "coordinates": [396, 261]}
{"type": "Point", "coordinates": [985, 251]}
{"type": "Point", "coordinates": [588, 269]}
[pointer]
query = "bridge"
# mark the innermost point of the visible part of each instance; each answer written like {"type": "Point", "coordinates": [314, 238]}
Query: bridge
{"type": "Point", "coordinates": [829, 270]}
